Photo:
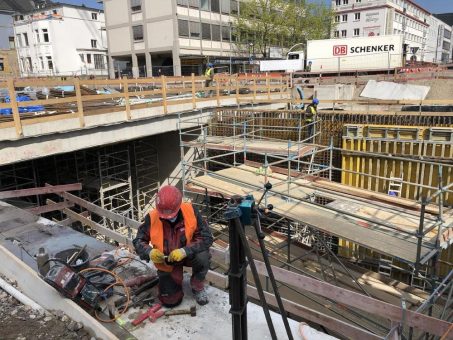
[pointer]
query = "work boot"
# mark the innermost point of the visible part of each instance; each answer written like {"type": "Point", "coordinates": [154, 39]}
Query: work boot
{"type": "Point", "coordinates": [201, 296]}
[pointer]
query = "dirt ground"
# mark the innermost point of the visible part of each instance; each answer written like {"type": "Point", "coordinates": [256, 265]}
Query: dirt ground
{"type": "Point", "coordinates": [19, 322]}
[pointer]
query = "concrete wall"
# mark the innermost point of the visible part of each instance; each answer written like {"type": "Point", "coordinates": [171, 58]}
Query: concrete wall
{"type": "Point", "coordinates": [169, 154]}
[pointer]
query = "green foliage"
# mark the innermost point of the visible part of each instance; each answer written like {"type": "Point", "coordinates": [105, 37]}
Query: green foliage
{"type": "Point", "coordinates": [280, 23]}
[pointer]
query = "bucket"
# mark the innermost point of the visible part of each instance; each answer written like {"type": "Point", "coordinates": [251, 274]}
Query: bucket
{"type": "Point", "coordinates": [80, 263]}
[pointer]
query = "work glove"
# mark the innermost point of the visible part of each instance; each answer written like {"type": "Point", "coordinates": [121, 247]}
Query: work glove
{"type": "Point", "coordinates": [156, 256]}
{"type": "Point", "coordinates": [177, 255]}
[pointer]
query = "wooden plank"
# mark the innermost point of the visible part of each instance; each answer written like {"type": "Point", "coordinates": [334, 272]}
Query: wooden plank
{"type": "Point", "coordinates": [14, 107]}
{"type": "Point", "coordinates": [92, 97]}
{"type": "Point", "coordinates": [356, 300]}
{"type": "Point", "coordinates": [99, 228]}
{"type": "Point", "coordinates": [127, 103]}
{"type": "Point", "coordinates": [100, 211]}
{"type": "Point", "coordinates": [48, 118]}
{"type": "Point", "coordinates": [50, 207]}
{"type": "Point", "coordinates": [164, 94]}
{"type": "Point", "coordinates": [79, 102]}
{"type": "Point", "coordinates": [40, 190]}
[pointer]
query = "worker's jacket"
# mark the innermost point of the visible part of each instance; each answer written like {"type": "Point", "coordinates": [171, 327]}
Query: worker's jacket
{"type": "Point", "coordinates": [183, 233]}
{"type": "Point", "coordinates": [310, 113]}
{"type": "Point", "coordinates": [209, 73]}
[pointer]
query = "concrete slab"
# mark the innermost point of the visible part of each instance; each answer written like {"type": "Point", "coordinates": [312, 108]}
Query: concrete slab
{"type": "Point", "coordinates": [386, 90]}
{"type": "Point", "coordinates": [213, 321]}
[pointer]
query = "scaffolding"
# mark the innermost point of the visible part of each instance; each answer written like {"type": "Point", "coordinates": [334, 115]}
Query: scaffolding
{"type": "Point", "coordinates": [303, 191]}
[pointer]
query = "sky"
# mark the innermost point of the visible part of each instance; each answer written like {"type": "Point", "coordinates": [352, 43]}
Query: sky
{"type": "Point", "coordinates": [434, 6]}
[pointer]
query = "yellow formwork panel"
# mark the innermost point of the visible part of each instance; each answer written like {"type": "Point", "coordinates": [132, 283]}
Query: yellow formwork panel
{"type": "Point", "coordinates": [432, 144]}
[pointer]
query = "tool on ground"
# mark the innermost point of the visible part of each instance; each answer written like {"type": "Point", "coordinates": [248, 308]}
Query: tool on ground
{"type": "Point", "coordinates": [192, 311]}
{"type": "Point", "coordinates": [76, 255]}
{"type": "Point", "coordinates": [139, 300]}
{"type": "Point", "coordinates": [153, 313]}
{"type": "Point", "coordinates": [139, 280]}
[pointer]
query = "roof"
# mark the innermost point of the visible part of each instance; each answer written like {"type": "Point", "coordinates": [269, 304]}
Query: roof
{"type": "Point", "coordinates": [59, 5]}
{"type": "Point", "coordinates": [16, 5]}
{"type": "Point", "coordinates": [446, 18]}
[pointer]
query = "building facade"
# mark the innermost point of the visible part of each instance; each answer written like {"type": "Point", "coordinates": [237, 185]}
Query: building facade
{"type": "Point", "coordinates": [61, 40]}
{"type": "Point", "coordinates": [421, 31]}
{"type": "Point", "coordinates": [170, 37]}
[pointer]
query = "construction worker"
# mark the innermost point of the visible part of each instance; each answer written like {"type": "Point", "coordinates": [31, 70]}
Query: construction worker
{"type": "Point", "coordinates": [310, 116]}
{"type": "Point", "coordinates": [209, 74]}
{"type": "Point", "coordinates": [172, 236]}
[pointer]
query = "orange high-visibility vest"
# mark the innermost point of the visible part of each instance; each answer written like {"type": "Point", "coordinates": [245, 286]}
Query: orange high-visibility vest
{"type": "Point", "coordinates": [157, 231]}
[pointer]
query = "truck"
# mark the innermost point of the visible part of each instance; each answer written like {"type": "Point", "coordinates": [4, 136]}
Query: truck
{"type": "Point", "coordinates": [294, 61]}
{"type": "Point", "coordinates": [343, 55]}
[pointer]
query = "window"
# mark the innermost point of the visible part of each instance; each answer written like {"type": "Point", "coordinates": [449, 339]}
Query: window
{"type": "Point", "coordinates": [356, 32]}
{"type": "Point", "coordinates": [205, 31]}
{"type": "Point", "coordinates": [345, 2]}
{"type": "Point", "coordinates": [82, 57]}
{"type": "Point", "coordinates": [41, 61]}
{"type": "Point", "coordinates": [194, 3]}
{"type": "Point", "coordinates": [338, 2]}
{"type": "Point", "coordinates": [94, 43]}
{"type": "Point", "coordinates": [184, 3]}
{"type": "Point", "coordinates": [358, 0]}
{"type": "Point", "coordinates": [204, 5]}
{"type": "Point", "coordinates": [215, 32]}
{"type": "Point", "coordinates": [26, 39]}
{"type": "Point", "coordinates": [343, 33]}
{"type": "Point", "coordinates": [18, 40]}
{"type": "Point", "coordinates": [344, 18]}
{"type": "Point", "coordinates": [183, 27]}
{"type": "Point", "coordinates": [88, 58]}
{"type": "Point", "coordinates": [94, 16]}
{"type": "Point", "coordinates": [357, 16]}
{"type": "Point", "coordinates": [49, 63]}
{"type": "Point", "coordinates": [194, 29]}
{"type": "Point", "coordinates": [446, 46]}
{"type": "Point", "coordinates": [137, 32]}
{"type": "Point", "coordinates": [136, 5]}
{"type": "Point", "coordinates": [99, 62]}
{"type": "Point", "coordinates": [54, 11]}
{"type": "Point", "coordinates": [234, 7]}
{"type": "Point", "coordinates": [45, 35]}
{"type": "Point", "coordinates": [226, 33]}
{"type": "Point", "coordinates": [226, 6]}
{"type": "Point", "coordinates": [215, 6]}
{"type": "Point", "coordinates": [29, 64]}
{"type": "Point", "coordinates": [336, 34]}
{"type": "Point", "coordinates": [337, 18]}
{"type": "Point", "coordinates": [37, 37]}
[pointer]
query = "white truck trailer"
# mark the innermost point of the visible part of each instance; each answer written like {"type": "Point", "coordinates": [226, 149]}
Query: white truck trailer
{"type": "Point", "coordinates": [343, 55]}
{"type": "Point", "coordinates": [355, 54]}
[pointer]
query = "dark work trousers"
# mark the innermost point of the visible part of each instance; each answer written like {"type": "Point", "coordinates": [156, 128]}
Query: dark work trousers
{"type": "Point", "coordinates": [170, 283]}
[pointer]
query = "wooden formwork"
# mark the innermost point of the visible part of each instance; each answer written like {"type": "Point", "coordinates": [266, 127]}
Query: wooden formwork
{"type": "Point", "coordinates": [363, 170]}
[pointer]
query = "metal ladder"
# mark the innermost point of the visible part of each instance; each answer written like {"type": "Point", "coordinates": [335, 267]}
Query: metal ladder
{"type": "Point", "coordinates": [419, 281]}
{"type": "Point", "coordinates": [385, 265]}
{"type": "Point", "coordinates": [395, 185]}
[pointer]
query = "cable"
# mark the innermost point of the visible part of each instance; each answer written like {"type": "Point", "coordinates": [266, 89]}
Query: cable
{"type": "Point", "coordinates": [119, 282]}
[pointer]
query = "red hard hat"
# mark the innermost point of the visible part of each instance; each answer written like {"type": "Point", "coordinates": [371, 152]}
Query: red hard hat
{"type": "Point", "coordinates": [168, 201]}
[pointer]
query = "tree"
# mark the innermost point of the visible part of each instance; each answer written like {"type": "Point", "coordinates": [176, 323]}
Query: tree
{"type": "Point", "coordinates": [280, 23]}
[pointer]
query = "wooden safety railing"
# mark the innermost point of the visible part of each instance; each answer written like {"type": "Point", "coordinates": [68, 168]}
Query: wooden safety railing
{"type": "Point", "coordinates": [129, 94]}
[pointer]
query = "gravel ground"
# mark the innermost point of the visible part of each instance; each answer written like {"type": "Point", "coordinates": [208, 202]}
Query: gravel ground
{"type": "Point", "coordinates": [20, 322]}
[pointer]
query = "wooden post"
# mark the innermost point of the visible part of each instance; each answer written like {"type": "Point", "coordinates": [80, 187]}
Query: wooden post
{"type": "Point", "coordinates": [14, 107]}
{"type": "Point", "coordinates": [79, 102]}
{"type": "Point", "coordinates": [217, 90]}
{"type": "Point", "coordinates": [164, 93]}
{"type": "Point", "coordinates": [194, 103]}
{"type": "Point", "coordinates": [268, 83]}
{"type": "Point", "coordinates": [127, 102]}
{"type": "Point", "coordinates": [281, 86]}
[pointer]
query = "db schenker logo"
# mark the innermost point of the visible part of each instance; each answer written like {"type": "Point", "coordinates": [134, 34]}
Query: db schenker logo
{"type": "Point", "coordinates": [340, 50]}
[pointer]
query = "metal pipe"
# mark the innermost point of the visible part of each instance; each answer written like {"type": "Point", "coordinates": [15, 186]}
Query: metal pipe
{"type": "Point", "coordinates": [419, 236]}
